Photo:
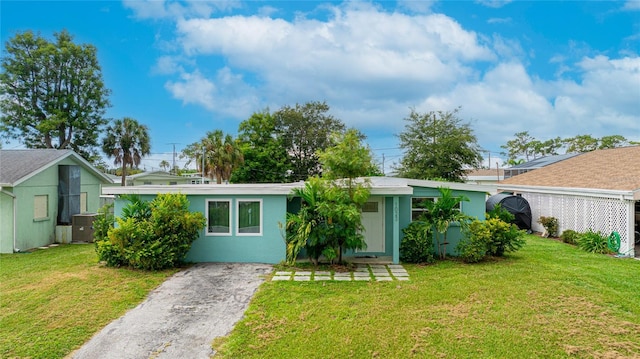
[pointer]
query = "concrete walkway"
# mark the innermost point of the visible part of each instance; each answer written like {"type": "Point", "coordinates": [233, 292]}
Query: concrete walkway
{"type": "Point", "coordinates": [181, 318]}
{"type": "Point", "coordinates": [363, 272]}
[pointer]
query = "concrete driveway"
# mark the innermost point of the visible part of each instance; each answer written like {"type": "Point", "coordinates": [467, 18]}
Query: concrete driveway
{"type": "Point", "coordinates": [181, 317]}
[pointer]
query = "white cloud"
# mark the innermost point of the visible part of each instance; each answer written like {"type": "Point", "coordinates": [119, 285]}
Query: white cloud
{"type": "Point", "coordinates": [175, 9]}
{"type": "Point", "coordinates": [631, 5]}
{"type": "Point", "coordinates": [493, 3]}
{"type": "Point", "coordinates": [499, 20]}
{"type": "Point", "coordinates": [371, 66]}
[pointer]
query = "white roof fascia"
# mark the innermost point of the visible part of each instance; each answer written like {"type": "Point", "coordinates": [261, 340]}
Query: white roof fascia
{"type": "Point", "coordinates": [199, 189]}
{"type": "Point", "coordinates": [378, 191]}
{"type": "Point", "coordinates": [585, 192]}
{"type": "Point", "coordinates": [83, 162]}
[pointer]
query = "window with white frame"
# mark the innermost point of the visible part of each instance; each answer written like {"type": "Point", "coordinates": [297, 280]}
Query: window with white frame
{"type": "Point", "coordinates": [41, 206]}
{"type": "Point", "coordinates": [83, 202]}
{"type": "Point", "coordinates": [249, 217]}
{"type": "Point", "coordinates": [218, 217]}
{"type": "Point", "coordinates": [419, 206]}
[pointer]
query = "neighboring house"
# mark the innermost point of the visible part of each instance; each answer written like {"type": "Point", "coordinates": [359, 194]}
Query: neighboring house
{"type": "Point", "coordinates": [161, 178]}
{"type": "Point", "coordinates": [245, 222]}
{"type": "Point", "coordinates": [485, 176]}
{"type": "Point", "coordinates": [535, 164]}
{"type": "Point", "coordinates": [597, 190]}
{"type": "Point", "coordinates": [41, 189]}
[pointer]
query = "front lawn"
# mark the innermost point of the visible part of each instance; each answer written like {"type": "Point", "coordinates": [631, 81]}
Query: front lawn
{"type": "Point", "coordinates": [548, 300]}
{"type": "Point", "coordinates": [52, 301]}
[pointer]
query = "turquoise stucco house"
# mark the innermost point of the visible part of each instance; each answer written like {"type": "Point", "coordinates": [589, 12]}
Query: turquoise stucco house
{"type": "Point", "coordinates": [41, 189]}
{"type": "Point", "coordinates": [245, 221]}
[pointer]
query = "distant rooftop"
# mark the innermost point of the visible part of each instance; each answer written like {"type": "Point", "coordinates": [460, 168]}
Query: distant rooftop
{"type": "Point", "coordinates": [535, 164]}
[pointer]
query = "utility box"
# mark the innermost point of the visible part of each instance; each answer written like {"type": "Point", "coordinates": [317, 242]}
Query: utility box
{"type": "Point", "coordinates": [82, 227]}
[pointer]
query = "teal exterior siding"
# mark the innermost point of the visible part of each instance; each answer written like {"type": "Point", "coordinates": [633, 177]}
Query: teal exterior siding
{"type": "Point", "coordinates": [224, 242]}
{"type": "Point", "coordinates": [268, 247]}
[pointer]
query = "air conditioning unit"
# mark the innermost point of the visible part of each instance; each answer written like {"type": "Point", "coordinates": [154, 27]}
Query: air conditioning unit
{"type": "Point", "coordinates": [82, 227]}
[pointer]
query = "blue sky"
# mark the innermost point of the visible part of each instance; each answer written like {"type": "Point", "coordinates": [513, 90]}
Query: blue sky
{"type": "Point", "coordinates": [186, 67]}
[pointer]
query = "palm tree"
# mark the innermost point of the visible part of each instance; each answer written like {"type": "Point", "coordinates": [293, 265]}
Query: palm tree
{"type": "Point", "coordinates": [164, 165]}
{"type": "Point", "coordinates": [442, 212]}
{"type": "Point", "coordinates": [223, 155]}
{"type": "Point", "coordinates": [127, 141]}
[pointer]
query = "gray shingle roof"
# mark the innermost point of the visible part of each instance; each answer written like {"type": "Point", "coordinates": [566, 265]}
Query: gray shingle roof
{"type": "Point", "coordinates": [17, 164]}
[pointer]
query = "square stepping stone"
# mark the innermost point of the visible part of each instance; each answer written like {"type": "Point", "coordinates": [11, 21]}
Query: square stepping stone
{"type": "Point", "coordinates": [303, 273]}
{"type": "Point", "coordinates": [395, 266]}
{"type": "Point", "coordinates": [361, 274]}
{"type": "Point", "coordinates": [380, 271]}
{"type": "Point", "coordinates": [342, 278]}
{"type": "Point", "coordinates": [384, 279]}
{"type": "Point", "coordinates": [362, 269]}
{"type": "Point", "coordinates": [283, 273]}
{"type": "Point", "coordinates": [279, 277]}
{"type": "Point", "coordinates": [321, 277]}
{"type": "Point", "coordinates": [378, 266]}
{"type": "Point", "coordinates": [302, 278]}
{"type": "Point", "coordinates": [367, 278]}
{"type": "Point", "coordinates": [322, 273]}
{"type": "Point", "coordinates": [400, 274]}
{"type": "Point", "coordinates": [382, 275]}
{"type": "Point", "coordinates": [342, 274]}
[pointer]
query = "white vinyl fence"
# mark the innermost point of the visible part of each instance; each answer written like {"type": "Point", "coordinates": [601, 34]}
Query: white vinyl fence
{"type": "Point", "coordinates": [581, 213]}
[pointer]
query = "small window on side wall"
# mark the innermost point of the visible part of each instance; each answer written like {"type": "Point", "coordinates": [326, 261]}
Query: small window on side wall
{"type": "Point", "coordinates": [83, 202]}
{"type": "Point", "coordinates": [40, 207]}
{"type": "Point", "coordinates": [419, 206]}
{"type": "Point", "coordinates": [219, 217]}
{"type": "Point", "coordinates": [249, 217]}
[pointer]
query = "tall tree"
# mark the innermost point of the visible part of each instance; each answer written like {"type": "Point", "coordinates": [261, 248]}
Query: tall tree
{"type": "Point", "coordinates": [437, 145]}
{"type": "Point", "coordinates": [164, 164]}
{"type": "Point", "coordinates": [348, 157]}
{"type": "Point", "coordinates": [581, 143]}
{"type": "Point", "coordinates": [305, 129]}
{"type": "Point", "coordinates": [52, 94]}
{"type": "Point", "coordinates": [521, 146]}
{"type": "Point", "coordinates": [612, 141]}
{"type": "Point", "coordinates": [127, 141]}
{"type": "Point", "coordinates": [222, 155]}
{"type": "Point", "coordinates": [265, 155]}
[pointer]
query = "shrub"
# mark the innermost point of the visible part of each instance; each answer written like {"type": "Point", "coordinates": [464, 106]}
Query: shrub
{"type": "Point", "coordinates": [550, 224]}
{"type": "Point", "coordinates": [473, 248]}
{"type": "Point", "coordinates": [570, 236]}
{"type": "Point", "coordinates": [417, 244]}
{"type": "Point", "coordinates": [103, 222]}
{"type": "Point", "coordinates": [502, 214]}
{"type": "Point", "coordinates": [594, 242]}
{"type": "Point", "coordinates": [492, 237]}
{"type": "Point", "coordinates": [152, 236]}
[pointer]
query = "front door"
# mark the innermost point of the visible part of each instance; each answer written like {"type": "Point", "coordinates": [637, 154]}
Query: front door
{"type": "Point", "coordinates": [373, 222]}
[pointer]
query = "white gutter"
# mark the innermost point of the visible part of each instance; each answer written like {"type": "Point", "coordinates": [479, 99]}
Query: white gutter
{"type": "Point", "coordinates": [586, 192]}
{"type": "Point", "coordinates": [15, 203]}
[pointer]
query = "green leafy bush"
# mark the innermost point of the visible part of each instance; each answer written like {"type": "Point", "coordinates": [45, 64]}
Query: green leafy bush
{"type": "Point", "coordinates": [152, 236]}
{"type": "Point", "coordinates": [570, 236]}
{"type": "Point", "coordinates": [103, 222]}
{"type": "Point", "coordinates": [492, 237]}
{"type": "Point", "coordinates": [473, 248]}
{"type": "Point", "coordinates": [594, 242]}
{"type": "Point", "coordinates": [417, 244]}
{"type": "Point", "coordinates": [550, 224]}
{"type": "Point", "coordinates": [502, 214]}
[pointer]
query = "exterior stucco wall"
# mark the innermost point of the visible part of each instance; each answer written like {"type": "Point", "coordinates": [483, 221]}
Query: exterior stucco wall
{"type": "Point", "coordinates": [30, 232]}
{"type": "Point", "coordinates": [474, 207]}
{"type": "Point", "coordinates": [6, 223]}
{"type": "Point", "coordinates": [269, 247]}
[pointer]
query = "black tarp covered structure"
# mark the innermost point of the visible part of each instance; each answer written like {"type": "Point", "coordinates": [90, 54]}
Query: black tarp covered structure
{"type": "Point", "coordinates": [516, 205]}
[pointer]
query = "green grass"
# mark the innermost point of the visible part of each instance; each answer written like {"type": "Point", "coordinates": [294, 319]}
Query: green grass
{"type": "Point", "coordinates": [549, 300]}
{"type": "Point", "coordinates": [52, 301]}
